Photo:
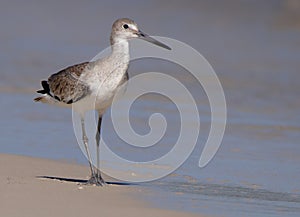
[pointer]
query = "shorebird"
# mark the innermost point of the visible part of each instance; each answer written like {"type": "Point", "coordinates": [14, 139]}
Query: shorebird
{"type": "Point", "coordinates": [92, 85]}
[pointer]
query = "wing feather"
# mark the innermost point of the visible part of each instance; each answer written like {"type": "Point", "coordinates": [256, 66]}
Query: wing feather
{"type": "Point", "coordinates": [65, 85]}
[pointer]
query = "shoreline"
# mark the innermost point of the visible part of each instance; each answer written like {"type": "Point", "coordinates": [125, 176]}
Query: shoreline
{"type": "Point", "coordinates": [40, 187]}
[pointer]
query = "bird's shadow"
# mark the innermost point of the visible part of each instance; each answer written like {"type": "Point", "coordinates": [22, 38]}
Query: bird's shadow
{"type": "Point", "coordinates": [79, 181]}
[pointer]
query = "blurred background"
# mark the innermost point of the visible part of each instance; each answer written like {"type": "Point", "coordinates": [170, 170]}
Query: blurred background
{"type": "Point", "coordinates": [254, 47]}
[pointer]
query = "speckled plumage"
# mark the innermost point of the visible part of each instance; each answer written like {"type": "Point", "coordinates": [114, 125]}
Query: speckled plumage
{"type": "Point", "coordinates": [66, 86]}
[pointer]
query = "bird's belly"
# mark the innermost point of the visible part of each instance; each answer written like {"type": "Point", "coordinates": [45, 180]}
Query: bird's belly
{"type": "Point", "coordinates": [102, 91]}
{"type": "Point", "coordinates": [104, 98]}
{"type": "Point", "coordinates": [91, 103]}
{"type": "Point", "coordinates": [98, 100]}
{"type": "Point", "coordinates": [105, 92]}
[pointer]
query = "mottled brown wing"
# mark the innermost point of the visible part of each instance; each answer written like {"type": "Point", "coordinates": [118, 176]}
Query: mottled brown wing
{"type": "Point", "coordinates": [65, 85]}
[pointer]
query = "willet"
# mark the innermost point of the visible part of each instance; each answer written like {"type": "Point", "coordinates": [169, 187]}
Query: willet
{"type": "Point", "coordinates": [92, 85]}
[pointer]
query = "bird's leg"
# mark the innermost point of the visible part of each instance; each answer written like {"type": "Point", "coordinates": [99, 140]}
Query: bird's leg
{"type": "Point", "coordinates": [85, 142]}
{"type": "Point", "coordinates": [98, 173]}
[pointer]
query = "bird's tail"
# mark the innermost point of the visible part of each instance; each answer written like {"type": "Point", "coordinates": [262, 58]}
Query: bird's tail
{"type": "Point", "coordinates": [45, 98]}
{"type": "Point", "coordinates": [40, 99]}
{"type": "Point", "coordinates": [45, 91]}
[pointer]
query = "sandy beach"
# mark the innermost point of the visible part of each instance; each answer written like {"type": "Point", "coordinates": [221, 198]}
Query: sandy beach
{"type": "Point", "coordinates": [24, 193]}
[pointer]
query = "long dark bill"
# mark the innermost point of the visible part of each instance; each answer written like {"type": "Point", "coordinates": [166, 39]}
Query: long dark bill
{"type": "Point", "coordinates": [152, 40]}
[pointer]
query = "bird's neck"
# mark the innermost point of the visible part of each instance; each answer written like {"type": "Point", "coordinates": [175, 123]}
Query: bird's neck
{"type": "Point", "coordinates": [120, 54]}
{"type": "Point", "coordinates": [120, 47]}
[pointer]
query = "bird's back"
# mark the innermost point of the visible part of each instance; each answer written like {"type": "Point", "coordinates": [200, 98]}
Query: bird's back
{"type": "Point", "coordinates": [65, 86]}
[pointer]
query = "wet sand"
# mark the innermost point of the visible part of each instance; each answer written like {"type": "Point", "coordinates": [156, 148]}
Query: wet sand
{"type": "Point", "coordinates": [24, 194]}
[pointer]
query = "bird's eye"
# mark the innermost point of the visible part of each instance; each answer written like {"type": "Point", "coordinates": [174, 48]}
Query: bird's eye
{"type": "Point", "coordinates": [125, 26]}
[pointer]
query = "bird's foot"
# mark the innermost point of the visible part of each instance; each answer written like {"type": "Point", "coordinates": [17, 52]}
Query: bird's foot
{"type": "Point", "coordinates": [96, 180]}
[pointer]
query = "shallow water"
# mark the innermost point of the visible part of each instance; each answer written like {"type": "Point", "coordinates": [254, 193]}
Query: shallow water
{"type": "Point", "coordinates": [254, 49]}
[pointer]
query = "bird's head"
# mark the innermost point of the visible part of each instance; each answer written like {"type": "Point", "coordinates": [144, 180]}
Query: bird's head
{"type": "Point", "coordinates": [126, 29]}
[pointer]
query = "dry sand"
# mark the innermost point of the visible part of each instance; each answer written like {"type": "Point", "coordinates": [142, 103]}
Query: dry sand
{"type": "Point", "coordinates": [23, 194]}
